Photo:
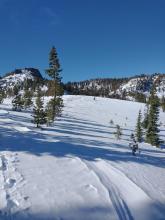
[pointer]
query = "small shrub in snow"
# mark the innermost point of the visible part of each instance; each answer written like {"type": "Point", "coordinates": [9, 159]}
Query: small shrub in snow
{"type": "Point", "coordinates": [118, 132]}
{"type": "Point", "coordinates": [111, 122]}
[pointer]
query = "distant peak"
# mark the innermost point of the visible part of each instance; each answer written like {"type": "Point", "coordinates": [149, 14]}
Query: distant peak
{"type": "Point", "coordinates": [33, 71]}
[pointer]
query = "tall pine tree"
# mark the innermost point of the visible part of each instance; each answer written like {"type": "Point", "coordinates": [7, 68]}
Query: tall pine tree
{"type": "Point", "coordinates": [139, 131]}
{"type": "Point", "coordinates": [56, 103]}
{"type": "Point", "coordinates": [152, 133]}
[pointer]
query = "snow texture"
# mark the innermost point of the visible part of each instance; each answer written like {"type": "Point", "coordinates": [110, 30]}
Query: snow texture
{"type": "Point", "coordinates": [76, 169]}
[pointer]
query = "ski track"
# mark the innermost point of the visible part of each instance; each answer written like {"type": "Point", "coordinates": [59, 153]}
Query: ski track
{"type": "Point", "coordinates": [123, 193]}
{"type": "Point", "coordinates": [11, 181]}
{"type": "Point", "coordinates": [120, 206]}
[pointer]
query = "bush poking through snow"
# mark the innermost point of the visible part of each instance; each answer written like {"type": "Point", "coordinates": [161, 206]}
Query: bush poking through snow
{"type": "Point", "coordinates": [118, 132]}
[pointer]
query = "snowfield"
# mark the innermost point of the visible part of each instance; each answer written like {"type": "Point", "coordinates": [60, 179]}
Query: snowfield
{"type": "Point", "coordinates": [77, 170]}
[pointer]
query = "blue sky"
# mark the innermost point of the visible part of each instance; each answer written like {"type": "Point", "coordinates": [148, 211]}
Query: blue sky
{"type": "Point", "coordinates": [94, 38]}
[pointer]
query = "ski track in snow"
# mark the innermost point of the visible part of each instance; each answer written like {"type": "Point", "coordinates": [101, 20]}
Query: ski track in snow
{"type": "Point", "coordinates": [125, 200]}
{"type": "Point", "coordinates": [14, 203]}
{"type": "Point", "coordinates": [118, 203]}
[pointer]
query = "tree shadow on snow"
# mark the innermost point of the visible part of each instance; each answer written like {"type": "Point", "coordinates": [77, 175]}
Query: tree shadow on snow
{"type": "Point", "coordinates": [64, 145]}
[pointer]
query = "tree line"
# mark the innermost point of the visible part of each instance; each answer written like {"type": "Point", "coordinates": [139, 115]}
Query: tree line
{"type": "Point", "coordinates": [148, 128]}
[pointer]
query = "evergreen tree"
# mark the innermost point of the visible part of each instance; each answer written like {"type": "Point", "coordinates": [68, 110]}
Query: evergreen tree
{"type": "Point", "coordinates": [152, 136]}
{"type": "Point", "coordinates": [17, 103]}
{"type": "Point", "coordinates": [38, 111]}
{"type": "Point", "coordinates": [27, 98]}
{"type": "Point", "coordinates": [139, 132]}
{"type": "Point", "coordinates": [146, 115]}
{"type": "Point", "coordinates": [15, 90]}
{"type": "Point", "coordinates": [163, 103]}
{"type": "Point", "coordinates": [49, 113]}
{"type": "Point", "coordinates": [56, 103]}
{"type": "Point", "coordinates": [2, 96]}
{"type": "Point", "coordinates": [118, 132]}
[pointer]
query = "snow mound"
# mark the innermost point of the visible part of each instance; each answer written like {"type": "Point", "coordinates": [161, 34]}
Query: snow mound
{"type": "Point", "coordinates": [3, 112]}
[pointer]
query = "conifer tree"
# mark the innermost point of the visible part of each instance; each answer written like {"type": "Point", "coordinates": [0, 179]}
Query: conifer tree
{"type": "Point", "coordinates": [152, 136]}
{"type": "Point", "coordinates": [146, 115]}
{"type": "Point", "coordinates": [56, 103]}
{"type": "Point", "coordinates": [139, 132]}
{"type": "Point", "coordinates": [17, 103]}
{"type": "Point", "coordinates": [38, 111]}
{"type": "Point", "coordinates": [2, 96]}
{"type": "Point", "coordinates": [49, 113]}
{"type": "Point", "coordinates": [15, 90]}
{"type": "Point", "coordinates": [118, 132]}
{"type": "Point", "coordinates": [163, 103]}
{"type": "Point", "coordinates": [27, 98]}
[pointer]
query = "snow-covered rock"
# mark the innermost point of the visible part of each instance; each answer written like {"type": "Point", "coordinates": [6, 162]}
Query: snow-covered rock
{"type": "Point", "coordinates": [18, 77]}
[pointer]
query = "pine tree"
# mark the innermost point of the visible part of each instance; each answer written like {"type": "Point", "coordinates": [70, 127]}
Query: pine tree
{"type": "Point", "coordinates": [56, 103]}
{"type": "Point", "coordinates": [152, 136]}
{"type": "Point", "coordinates": [139, 132]}
{"type": "Point", "coordinates": [27, 98]}
{"type": "Point", "coordinates": [163, 103]}
{"type": "Point", "coordinates": [118, 132]}
{"type": "Point", "coordinates": [15, 90]}
{"type": "Point", "coordinates": [38, 111]}
{"type": "Point", "coordinates": [146, 115]}
{"type": "Point", "coordinates": [17, 103]}
{"type": "Point", "coordinates": [2, 96]}
{"type": "Point", "coordinates": [49, 113]}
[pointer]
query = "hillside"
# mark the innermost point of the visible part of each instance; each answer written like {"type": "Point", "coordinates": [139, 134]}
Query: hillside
{"type": "Point", "coordinates": [125, 88]}
{"type": "Point", "coordinates": [18, 77]}
{"type": "Point", "coordinates": [135, 88]}
{"type": "Point", "coordinates": [77, 169]}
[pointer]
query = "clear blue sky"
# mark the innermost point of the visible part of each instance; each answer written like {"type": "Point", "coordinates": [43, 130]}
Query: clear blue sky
{"type": "Point", "coordinates": [94, 38]}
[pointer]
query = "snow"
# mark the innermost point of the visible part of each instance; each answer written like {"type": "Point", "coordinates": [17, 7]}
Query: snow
{"type": "Point", "coordinates": [25, 74]}
{"type": "Point", "coordinates": [16, 79]}
{"type": "Point", "coordinates": [133, 85]}
{"type": "Point", "coordinates": [76, 169]}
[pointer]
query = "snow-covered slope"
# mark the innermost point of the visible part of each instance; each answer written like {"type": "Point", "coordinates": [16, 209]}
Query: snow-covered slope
{"type": "Point", "coordinates": [19, 76]}
{"type": "Point", "coordinates": [123, 88]}
{"type": "Point", "coordinates": [144, 84]}
{"type": "Point", "coordinates": [77, 170]}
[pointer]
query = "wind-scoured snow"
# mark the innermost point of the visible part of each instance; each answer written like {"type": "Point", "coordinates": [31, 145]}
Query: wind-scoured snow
{"type": "Point", "coordinates": [76, 169]}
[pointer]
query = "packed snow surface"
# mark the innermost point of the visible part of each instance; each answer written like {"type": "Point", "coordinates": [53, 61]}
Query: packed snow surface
{"type": "Point", "coordinates": [76, 169]}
